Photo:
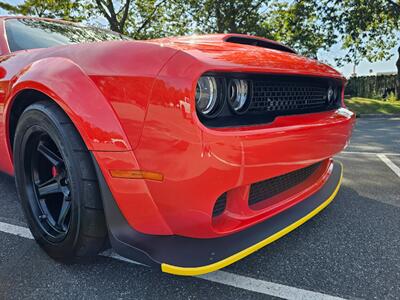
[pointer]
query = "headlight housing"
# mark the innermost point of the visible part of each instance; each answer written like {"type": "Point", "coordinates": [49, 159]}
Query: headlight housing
{"type": "Point", "coordinates": [333, 94]}
{"type": "Point", "coordinates": [238, 95]}
{"type": "Point", "coordinates": [209, 96]}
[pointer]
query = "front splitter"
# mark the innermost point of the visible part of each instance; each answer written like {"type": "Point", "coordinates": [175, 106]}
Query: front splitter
{"type": "Point", "coordinates": [190, 256]}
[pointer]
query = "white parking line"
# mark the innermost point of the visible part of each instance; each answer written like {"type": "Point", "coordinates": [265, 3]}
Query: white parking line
{"type": "Point", "coordinates": [222, 277]}
{"type": "Point", "coordinates": [265, 287]}
{"type": "Point", "coordinates": [368, 153]}
{"type": "Point", "coordinates": [389, 163]}
{"type": "Point", "coordinates": [16, 230]}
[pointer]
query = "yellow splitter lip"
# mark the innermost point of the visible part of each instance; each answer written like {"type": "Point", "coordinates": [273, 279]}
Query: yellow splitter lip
{"type": "Point", "coordinates": [193, 271]}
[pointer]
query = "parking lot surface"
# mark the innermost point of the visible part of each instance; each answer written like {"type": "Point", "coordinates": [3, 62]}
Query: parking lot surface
{"type": "Point", "coordinates": [350, 250]}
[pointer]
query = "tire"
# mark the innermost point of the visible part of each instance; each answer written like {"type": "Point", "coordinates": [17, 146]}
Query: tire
{"type": "Point", "coordinates": [57, 184]}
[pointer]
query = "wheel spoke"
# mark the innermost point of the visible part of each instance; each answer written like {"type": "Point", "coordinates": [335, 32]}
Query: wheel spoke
{"type": "Point", "coordinates": [65, 208]}
{"type": "Point", "coordinates": [49, 187]}
{"type": "Point", "coordinates": [46, 214]}
{"type": "Point", "coordinates": [50, 181]}
{"type": "Point", "coordinates": [52, 157]}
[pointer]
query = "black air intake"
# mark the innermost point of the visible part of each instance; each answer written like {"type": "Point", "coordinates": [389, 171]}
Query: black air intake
{"type": "Point", "coordinates": [269, 188]}
{"type": "Point", "coordinates": [220, 205]}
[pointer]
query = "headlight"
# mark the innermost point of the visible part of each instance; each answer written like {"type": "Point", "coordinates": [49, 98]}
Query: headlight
{"type": "Point", "coordinates": [238, 94]}
{"type": "Point", "coordinates": [333, 94]}
{"type": "Point", "coordinates": [208, 96]}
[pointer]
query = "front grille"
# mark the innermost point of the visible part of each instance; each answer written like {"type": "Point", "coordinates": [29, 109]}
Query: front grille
{"type": "Point", "coordinates": [220, 205]}
{"type": "Point", "coordinates": [266, 189]}
{"type": "Point", "coordinates": [283, 97]}
{"type": "Point", "coordinates": [271, 96]}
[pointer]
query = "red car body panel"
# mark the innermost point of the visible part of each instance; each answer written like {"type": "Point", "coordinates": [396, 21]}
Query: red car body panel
{"type": "Point", "coordinates": [133, 104]}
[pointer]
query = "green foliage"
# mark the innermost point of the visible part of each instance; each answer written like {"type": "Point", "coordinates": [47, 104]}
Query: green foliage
{"type": "Point", "coordinates": [392, 98]}
{"type": "Point", "coordinates": [244, 16]}
{"type": "Point", "coordinates": [116, 13]}
{"type": "Point", "coordinates": [298, 25]}
{"type": "Point", "coordinates": [155, 19]}
{"type": "Point", "coordinates": [366, 28]}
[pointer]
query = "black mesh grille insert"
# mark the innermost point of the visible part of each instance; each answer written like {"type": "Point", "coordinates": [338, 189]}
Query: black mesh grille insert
{"type": "Point", "coordinates": [266, 189]}
{"type": "Point", "coordinates": [220, 205]}
{"type": "Point", "coordinates": [288, 96]}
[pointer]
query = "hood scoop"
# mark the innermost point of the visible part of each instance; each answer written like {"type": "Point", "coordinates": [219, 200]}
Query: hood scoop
{"type": "Point", "coordinates": [258, 42]}
{"type": "Point", "coordinates": [234, 38]}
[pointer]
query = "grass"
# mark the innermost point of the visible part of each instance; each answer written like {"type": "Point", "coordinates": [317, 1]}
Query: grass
{"type": "Point", "coordinates": [371, 106]}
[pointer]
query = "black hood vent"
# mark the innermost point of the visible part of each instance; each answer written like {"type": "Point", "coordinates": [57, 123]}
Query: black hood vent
{"type": "Point", "coordinates": [252, 41]}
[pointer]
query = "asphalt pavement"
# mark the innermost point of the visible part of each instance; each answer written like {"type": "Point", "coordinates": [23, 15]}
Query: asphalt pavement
{"type": "Point", "coordinates": [350, 250]}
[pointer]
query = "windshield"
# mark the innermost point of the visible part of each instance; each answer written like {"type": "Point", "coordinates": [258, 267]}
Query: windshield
{"type": "Point", "coordinates": [23, 34]}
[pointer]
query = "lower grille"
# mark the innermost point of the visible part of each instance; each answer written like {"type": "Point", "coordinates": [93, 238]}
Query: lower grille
{"type": "Point", "coordinates": [266, 189]}
{"type": "Point", "coordinates": [220, 205]}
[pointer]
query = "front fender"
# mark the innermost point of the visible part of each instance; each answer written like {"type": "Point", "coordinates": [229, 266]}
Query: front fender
{"type": "Point", "coordinates": [76, 93]}
{"type": "Point", "coordinates": [68, 85]}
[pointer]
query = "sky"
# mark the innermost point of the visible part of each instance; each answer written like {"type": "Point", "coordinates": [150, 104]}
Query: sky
{"type": "Point", "coordinates": [328, 56]}
{"type": "Point", "coordinates": [365, 66]}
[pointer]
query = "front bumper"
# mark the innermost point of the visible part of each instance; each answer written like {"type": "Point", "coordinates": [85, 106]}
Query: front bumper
{"type": "Point", "coordinates": [191, 256]}
{"type": "Point", "coordinates": [200, 164]}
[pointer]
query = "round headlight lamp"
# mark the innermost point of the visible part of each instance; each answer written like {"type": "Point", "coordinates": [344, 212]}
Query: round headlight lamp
{"type": "Point", "coordinates": [333, 94]}
{"type": "Point", "coordinates": [238, 95]}
{"type": "Point", "coordinates": [208, 96]}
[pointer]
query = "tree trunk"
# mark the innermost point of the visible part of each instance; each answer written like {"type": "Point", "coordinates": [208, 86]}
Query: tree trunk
{"type": "Point", "coordinates": [398, 77]}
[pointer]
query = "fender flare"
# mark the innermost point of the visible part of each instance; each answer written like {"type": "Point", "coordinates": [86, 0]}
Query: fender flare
{"type": "Point", "coordinates": [66, 83]}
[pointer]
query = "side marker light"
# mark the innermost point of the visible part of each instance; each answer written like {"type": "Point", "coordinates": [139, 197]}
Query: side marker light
{"type": "Point", "coordinates": [137, 174]}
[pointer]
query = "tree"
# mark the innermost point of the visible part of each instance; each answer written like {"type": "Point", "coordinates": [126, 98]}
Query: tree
{"type": "Point", "coordinates": [155, 19]}
{"type": "Point", "coordinates": [244, 16]}
{"type": "Point", "coordinates": [398, 76]}
{"type": "Point", "coordinates": [124, 16]}
{"type": "Point", "coordinates": [65, 9]}
{"type": "Point", "coordinates": [116, 17]}
{"type": "Point", "coordinates": [297, 25]}
{"type": "Point", "coordinates": [367, 28]}
{"type": "Point", "coordinates": [396, 7]}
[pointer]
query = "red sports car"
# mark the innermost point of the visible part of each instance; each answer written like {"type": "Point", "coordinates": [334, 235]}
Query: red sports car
{"type": "Point", "coordinates": [184, 153]}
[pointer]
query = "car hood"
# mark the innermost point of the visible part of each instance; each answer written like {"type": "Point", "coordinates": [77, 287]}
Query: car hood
{"type": "Point", "coordinates": [217, 52]}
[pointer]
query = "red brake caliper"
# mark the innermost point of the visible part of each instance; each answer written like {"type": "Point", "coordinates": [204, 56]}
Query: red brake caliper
{"type": "Point", "coordinates": [54, 171]}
